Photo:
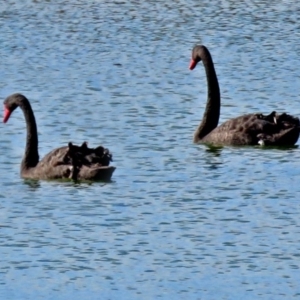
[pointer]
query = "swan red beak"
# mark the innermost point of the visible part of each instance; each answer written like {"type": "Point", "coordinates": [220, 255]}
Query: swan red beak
{"type": "Point", "coordinates": [6, 115]}
{"type": "Point", "coordinates": [193, 64]}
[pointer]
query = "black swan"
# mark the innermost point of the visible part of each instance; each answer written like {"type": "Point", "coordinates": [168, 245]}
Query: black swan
{"type": "Point", "coordinates": [250, 129]}
{"type": "Point", "coordinates": [71, 161]}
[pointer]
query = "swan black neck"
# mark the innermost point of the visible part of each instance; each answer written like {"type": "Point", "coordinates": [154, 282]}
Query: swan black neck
{"type": "Point", "coordinates": [31, 156]}
{"type": "Point", "coordinates": [212, 112]}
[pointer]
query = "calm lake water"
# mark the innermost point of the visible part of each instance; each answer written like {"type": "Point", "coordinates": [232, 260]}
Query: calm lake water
{"type": "Point", "coordinates": [178, 220]}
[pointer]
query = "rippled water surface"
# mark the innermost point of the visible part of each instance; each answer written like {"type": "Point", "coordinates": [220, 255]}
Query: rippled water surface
{"type": "Point", "coordinates": [178, 220]}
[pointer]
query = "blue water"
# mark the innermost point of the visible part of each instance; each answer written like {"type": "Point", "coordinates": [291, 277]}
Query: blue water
{"type": "Point", "coordinates": [178, 220]}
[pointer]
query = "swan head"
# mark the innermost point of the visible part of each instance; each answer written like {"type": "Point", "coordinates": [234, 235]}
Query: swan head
{"type": "Point", "coordinates": [197, 53]}
{"type": "Point", "coordinates": [11, 103]}
{"type": "Point", "coordinates": [196, 56]}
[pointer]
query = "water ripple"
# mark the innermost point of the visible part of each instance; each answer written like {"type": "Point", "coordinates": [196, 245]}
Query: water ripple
{"type": "Point", "coordinates": [178, 219]}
